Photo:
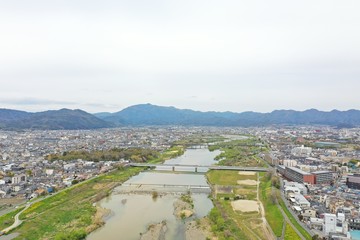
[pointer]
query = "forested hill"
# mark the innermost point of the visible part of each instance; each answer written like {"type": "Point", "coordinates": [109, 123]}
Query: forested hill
{"type": "Point", "coordinates": [50, 120]}
{"type": "Point", "coordinates": [148, 114]}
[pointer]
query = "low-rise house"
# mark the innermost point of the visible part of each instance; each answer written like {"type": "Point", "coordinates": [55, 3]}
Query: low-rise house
{"type": "Point", "coordinates": [309, 213]}
{"type": "Point", "coordinates": [301, 201]}
{"type": "Point", "coordinates": [316, 223]}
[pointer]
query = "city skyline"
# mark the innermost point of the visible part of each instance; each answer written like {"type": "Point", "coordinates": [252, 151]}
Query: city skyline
{"type": "Point", "coordinates": [204, 55]}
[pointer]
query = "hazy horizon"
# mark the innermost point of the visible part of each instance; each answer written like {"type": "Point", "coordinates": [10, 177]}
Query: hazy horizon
{"type": "Point", "coordinates": [203, 55]}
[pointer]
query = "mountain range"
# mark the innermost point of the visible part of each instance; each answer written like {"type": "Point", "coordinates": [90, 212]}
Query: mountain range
{"type": "Point", "coordinates": [50, 120]}
{"type": "Point", "coordinates": [148, 114]}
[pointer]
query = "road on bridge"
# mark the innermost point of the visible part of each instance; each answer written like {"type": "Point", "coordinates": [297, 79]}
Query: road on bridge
{"type": "Point", "coordinates": [213, 167]}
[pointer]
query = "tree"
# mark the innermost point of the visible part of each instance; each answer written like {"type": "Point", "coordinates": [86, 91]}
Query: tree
{"type": "Point", "coordinates": [75, 181]}
{"type": "Point", "coordinates": [315, 237]}
{"type": "Point", "coordinates": [29, 172]}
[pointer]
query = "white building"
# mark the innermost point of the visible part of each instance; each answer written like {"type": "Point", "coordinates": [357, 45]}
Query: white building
{"type": "Point", "coordinates": [289, 163]}
{"type": "Point", "coordinates": [69, 166]}
{"type": "Point", "coordinates": [301, 201]}
{"type": "Point", "coordinates": [301, 187]}
{"type": "Point", "coordinates": [290, 189]}
{"type": "Point", "coordinates": [18, 179]}
{"type": "Point", "coordinates": [335, 224]}
{"type": "Point", "coordinates": [301, 151]}
{"type": "Point", "coordinates": [329, 223]}
{"type": "Point", "coordinates": [49, 171]}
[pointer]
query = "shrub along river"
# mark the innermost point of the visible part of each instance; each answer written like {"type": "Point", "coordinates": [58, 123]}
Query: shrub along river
{"type": "Point", "coordinates": [134, 207]}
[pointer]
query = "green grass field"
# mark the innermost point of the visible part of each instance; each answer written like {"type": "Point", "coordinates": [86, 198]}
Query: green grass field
{"type": "Point", "coordinates": [8, 219]}
{"type": "Point", "coordinates": [294, 221]}
{"type": "Point", "coordinates": [290, 233]}
{"type": "Point", "coordinates": [272, 213]}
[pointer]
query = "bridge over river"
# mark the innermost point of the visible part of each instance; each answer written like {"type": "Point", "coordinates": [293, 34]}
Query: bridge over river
{"type": "Point", "coordinates": [211, 167]}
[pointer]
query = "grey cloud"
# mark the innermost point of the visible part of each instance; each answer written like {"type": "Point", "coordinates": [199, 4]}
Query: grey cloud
{"type": "Point", "coordinates": [34, 101]}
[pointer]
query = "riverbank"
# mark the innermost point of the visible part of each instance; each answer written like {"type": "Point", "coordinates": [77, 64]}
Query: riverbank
{"type": "Point", "coordinates": [71, 212]}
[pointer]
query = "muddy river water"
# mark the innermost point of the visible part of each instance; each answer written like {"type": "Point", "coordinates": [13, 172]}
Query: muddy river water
{"type": "Point", "coordinates": [133, 210]}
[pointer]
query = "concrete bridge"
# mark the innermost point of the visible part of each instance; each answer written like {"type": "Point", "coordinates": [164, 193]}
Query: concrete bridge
{"type": "Point", "coordinates": [163, 185]}
{"type": "Point", "coordinates": [150, 187]}
{"type": "Point", "coordinates": [195, 146]}
{"type": "Point", "coordinates": [211, 167]}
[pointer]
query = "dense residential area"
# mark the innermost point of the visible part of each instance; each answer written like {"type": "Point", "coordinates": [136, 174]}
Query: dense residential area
{"type": "Point", "coordinates": [28, 170]}
{"type": "Point", "coordinates": [318, 166]}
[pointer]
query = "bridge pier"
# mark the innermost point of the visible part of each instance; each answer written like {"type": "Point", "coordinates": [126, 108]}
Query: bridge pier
{"type": "Point", "coordinates": [173, 168]}
{"type": "Point", "coordinates": [196, 169]}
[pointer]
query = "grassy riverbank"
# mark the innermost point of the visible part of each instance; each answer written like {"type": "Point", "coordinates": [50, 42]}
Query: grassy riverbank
{"type": "Point", "coordinates": [272, 213]}
{"type": "Point", "coordinates": [294, 221]}
{"type": "Point", "coordinates": [240, 152]}
{"type": "Point", "coordinates": [290, 233]}
{"type": "Point", "coordinates": [70, 213]}
{"type": "Point", "coordinates": [8, 219]}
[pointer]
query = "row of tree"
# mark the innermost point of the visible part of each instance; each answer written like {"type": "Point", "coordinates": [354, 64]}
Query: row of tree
{"type": "Point", "coordinates": [116, 154]}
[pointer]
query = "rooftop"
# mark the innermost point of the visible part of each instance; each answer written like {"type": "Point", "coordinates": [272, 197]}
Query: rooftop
{"type": "Point", "coordinates": [299, 170]}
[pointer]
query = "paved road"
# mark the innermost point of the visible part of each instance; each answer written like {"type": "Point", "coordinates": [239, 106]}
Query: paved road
{"type": "Point", "coordinates": [214, 167]}
{"type": "Point", "coordinates": [17, 222]}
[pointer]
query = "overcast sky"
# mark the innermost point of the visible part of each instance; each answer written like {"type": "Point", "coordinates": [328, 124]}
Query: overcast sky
{"type": "Point", "coordinates": [240, 55]}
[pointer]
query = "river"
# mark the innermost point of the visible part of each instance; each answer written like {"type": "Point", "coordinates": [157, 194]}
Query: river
{"type": "Point", "coordinates": [133, 209]}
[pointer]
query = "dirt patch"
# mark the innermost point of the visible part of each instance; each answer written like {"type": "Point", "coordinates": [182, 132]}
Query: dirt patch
{"type": "Point", "coordinates": [182, 209]}
{"type": "Point", "coordinates": [155, 231]}
{"type": "Point", "coordinates": [247, 182]}
{"type": "Point", "coordinates": [245, 206]}
{"type": "Point", "coordinates": [186, 213]}
{"type": "Point", "coordinates": [98, 186]}
{"type": "Point", "coordinates": [199, 230]}
{"type": "Point", "coordinates": [247, 173]}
